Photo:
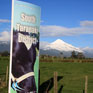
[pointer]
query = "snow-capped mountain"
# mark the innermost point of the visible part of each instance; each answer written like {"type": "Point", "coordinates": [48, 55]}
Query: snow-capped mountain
{"type": "Point", "coordinates": [54, 48]}
{"type": "Point", "coordinates": [88, 51]}
{"type": "Point", "coordinates": [4, 46]}
{"type": "Point", "coordinates": [58, 46]}
{"type": "Point", "coordinates": [4, 42]}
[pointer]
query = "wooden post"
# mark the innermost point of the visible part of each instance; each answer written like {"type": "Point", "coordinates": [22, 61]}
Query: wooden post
{"type": "Point", "coordinates": [55, 82]}
{"type": "Point", "coordinates": [86, 83]}
{"type": "Point", "coordinates": [7, 76]}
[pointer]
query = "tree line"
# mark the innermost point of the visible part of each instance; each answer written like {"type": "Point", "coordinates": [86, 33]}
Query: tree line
{"type": "Point", "coordinates": [4, 53]}
{"type": "Point", "coordinates": [74, 55]}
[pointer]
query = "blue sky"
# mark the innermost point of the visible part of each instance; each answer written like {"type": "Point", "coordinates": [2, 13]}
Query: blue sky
{"type": "Point", "coordinates": [69, 20]}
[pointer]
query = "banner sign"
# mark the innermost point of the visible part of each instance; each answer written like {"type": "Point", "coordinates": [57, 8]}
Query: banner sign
{"type": "Point", "coordinates": [24, 56]}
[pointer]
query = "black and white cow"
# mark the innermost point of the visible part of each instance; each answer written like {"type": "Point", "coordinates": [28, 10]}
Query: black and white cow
{"type": "Point", "coordinates": [23, 61]}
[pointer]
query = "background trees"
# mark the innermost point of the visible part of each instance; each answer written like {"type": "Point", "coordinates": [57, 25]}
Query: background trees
{"type": "Point", "coordinates": [77, 55]}
{"type": "Point", "coordinates": [5, 53]}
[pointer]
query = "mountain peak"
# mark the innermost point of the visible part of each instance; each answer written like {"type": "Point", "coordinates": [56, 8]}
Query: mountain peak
{"type": "Point", "coordinates": [60, 45]}
{"type": "Point", "coordinates": [4, 42]}
{"type": "Point", "coordinates": [58, 41]}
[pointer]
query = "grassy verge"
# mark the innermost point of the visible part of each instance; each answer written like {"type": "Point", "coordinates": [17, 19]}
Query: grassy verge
{"type": "Point", "coordinates": [4, 62]}
{"type": "Point", "coordinates": [71, 76]}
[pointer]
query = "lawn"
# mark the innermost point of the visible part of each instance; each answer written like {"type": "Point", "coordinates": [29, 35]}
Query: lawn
{"type": "Point", "coordinates": [4, 62]}
{"type": "Point", "coordinates": [71, 77]}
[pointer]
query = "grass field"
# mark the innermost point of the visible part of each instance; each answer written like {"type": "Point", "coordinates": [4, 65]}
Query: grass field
{"type": "Point", "coordinates": [71, 76]}
{"type": "Point", "coordinates": [4, 62]}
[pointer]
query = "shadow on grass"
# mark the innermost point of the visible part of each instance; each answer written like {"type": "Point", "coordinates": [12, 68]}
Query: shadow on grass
{"type": "Point", "coordinates": [48, 85]}
{"type": "Point", "coordinates": [83, 91]}
{"type": "Point", "coordinates": [60, 90]}
{"type": "Point", "coordinates": [2, 73]}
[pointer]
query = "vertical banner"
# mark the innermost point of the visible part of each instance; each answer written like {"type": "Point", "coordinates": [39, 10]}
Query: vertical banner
{"type": "Point", "coordinates": [24, 56]}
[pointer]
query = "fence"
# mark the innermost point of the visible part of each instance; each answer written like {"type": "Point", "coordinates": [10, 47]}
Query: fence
{"type": "Point", "coordinates": [50, 59]}
{"type": "Point", "coordinates": [56, 84]}
{"type": "Point", "coordinates": [4, 83]}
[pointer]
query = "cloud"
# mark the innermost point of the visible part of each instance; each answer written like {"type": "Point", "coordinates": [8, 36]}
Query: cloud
{"type": "Point", "coordinates": [5, 36]}
{"type": "Point", "coordinates": [4, 21]}
{"type": "Point", "coordinates": [43, 44]}
{"type": "Point", "coordinates": [86, 23]}
{"type": "Point", "coordinates": [56, 31]}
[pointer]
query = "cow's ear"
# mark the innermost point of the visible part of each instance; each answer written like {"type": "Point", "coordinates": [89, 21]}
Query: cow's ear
{"type": "Point", "coordinates": [37, 45]}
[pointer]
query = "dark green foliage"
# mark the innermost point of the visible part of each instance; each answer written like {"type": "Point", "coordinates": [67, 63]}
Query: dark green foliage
{"type": "Point", "coordinates": [5, 53]}
{"type": "Point", "coordinates": [73, 54]}
{"type": "Point", "coordinates": [80, 55]}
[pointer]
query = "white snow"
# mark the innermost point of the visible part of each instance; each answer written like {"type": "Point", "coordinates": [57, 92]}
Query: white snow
{"type": "Point", "coordinates": [60, 45]}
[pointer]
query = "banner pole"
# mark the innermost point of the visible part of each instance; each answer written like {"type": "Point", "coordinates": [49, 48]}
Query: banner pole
{"type": "Point", "coordinates": [11, 40]}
